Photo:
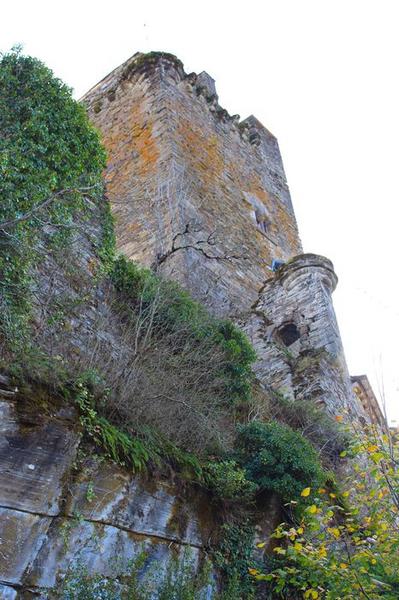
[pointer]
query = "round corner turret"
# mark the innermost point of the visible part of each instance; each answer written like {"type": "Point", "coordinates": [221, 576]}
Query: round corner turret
{"type": "Point", "coordinates": [304, 265]}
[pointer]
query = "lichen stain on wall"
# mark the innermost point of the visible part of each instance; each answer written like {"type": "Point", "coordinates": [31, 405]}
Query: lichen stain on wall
{"type": "Point", "coordinates": [131, 147]}
{"type": "Point", "coordinates": [202, 151]}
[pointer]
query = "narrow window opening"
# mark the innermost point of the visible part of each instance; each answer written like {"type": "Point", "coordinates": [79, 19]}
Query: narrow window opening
{"type": "Point", "coordinates": [262, 220]}
{"type": "Point", "coordinates": [289, 334]}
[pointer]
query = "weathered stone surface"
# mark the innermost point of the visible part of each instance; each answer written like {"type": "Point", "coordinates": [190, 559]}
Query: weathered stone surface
{"type": "Point", "coordinates": [205, 197]}
{"type": "Point", "coordinates": [7, 593]}
{"type": "Point", "coordinates": [56, 518]}
{"type": "Point", "coordinates": [363, 391]}
{"type": "Point", "coordinates": [176, 158]}
{"type": "Point", "coordinates": [22, 535]}
{"type": "Point", "coordinates": [34, 457]}
{"type": "Point", "coordinates": [140, 507]}
{"type": "Point", "coordinates": [295, 332]}
{"type": "Point", "coordinates": [102, 549]}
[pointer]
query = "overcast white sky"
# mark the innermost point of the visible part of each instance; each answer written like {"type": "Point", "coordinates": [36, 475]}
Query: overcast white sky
{"type": "Point", "coordinates": [322, 75]}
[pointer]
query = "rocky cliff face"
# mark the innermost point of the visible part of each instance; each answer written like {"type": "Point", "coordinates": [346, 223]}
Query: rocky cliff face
{"type": "Point", "coordinates": [62, 506]}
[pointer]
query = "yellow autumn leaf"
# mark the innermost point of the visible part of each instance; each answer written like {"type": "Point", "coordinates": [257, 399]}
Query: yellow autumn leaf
{"type": "Point", "coordinates": [372, 448]}
{"type": "Point", "coordinates": [279, 550]}
{"type": "Point", "coordinates": [343, 565]}
{"type": "Point", "coordinates": [305, 493]}
{"type": "Point", "coordinates": [376, 457]}
{"type": "Point", "coordinates": [334, 531]}
{"type": "Point", "coordinates": [261, 545]}
{"type": "Point", "coordinates": [312, 509]}
{"type": "Point", "coordinates": [314, 594]}
{"type": "Point", "coordinates": [322, 552]}
{"type": "Point", "coordinates": [298, 547]}
{"type": "Point", "coordinates": [253, 571]}
{"type": "Point", "coordinates": [300, 530]}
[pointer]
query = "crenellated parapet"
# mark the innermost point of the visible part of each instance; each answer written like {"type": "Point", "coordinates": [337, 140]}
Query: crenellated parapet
{"type": "Point", "coordinates": [155, 65]}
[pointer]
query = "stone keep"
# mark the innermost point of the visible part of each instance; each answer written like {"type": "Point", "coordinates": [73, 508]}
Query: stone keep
{"type": "Point", "coordinates": [184, 174]}
{"type": "Point", "coordinates": [202, 197]}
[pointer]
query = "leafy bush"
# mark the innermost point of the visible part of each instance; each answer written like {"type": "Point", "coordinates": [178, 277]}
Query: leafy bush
{"type": "Point", "coordinates": [345, 549]}
{"type": "Point", "coordinates": [277, 458]}
{"type": "Point", "coordinates": [47, 143]}
{"type": "Point", "coordinates": [228, 481]}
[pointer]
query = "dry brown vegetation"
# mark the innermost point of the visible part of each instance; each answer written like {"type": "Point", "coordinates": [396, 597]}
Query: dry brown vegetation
{"type": "Point", "coordinates": [165, 378]}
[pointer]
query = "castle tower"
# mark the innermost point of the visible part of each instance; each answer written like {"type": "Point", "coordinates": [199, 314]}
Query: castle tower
{"type": "Point", "coordinates": [196, 193]}
{"type": "Point", "coordinates": [202, 197]}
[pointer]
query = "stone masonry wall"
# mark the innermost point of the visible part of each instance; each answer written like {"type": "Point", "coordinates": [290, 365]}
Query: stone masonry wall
{"type": "Point", "coordinates": [184, 174]}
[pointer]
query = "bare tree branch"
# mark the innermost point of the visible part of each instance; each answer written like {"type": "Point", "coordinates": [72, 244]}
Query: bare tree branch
{"type": "Point", "coordinates": [38, 207]}
{"type": "Point", "coordinates": [197, 245]}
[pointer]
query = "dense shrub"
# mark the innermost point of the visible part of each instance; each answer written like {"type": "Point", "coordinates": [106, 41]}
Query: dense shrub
{"type": "Point", "coordinates": [277, 458]}
{"type": "Point", "coordinates": [173, 309]}
{"type": "Point", "coordinates": [50, 161]}
{"type": "Point", "coordinates": [228, 481]}
{"type": "Point", "coordinates": [47, 143]}
{"type": "Point", "coordinates": [346, 543]}
{"type": "Point", "coordinates": [314, 423]}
